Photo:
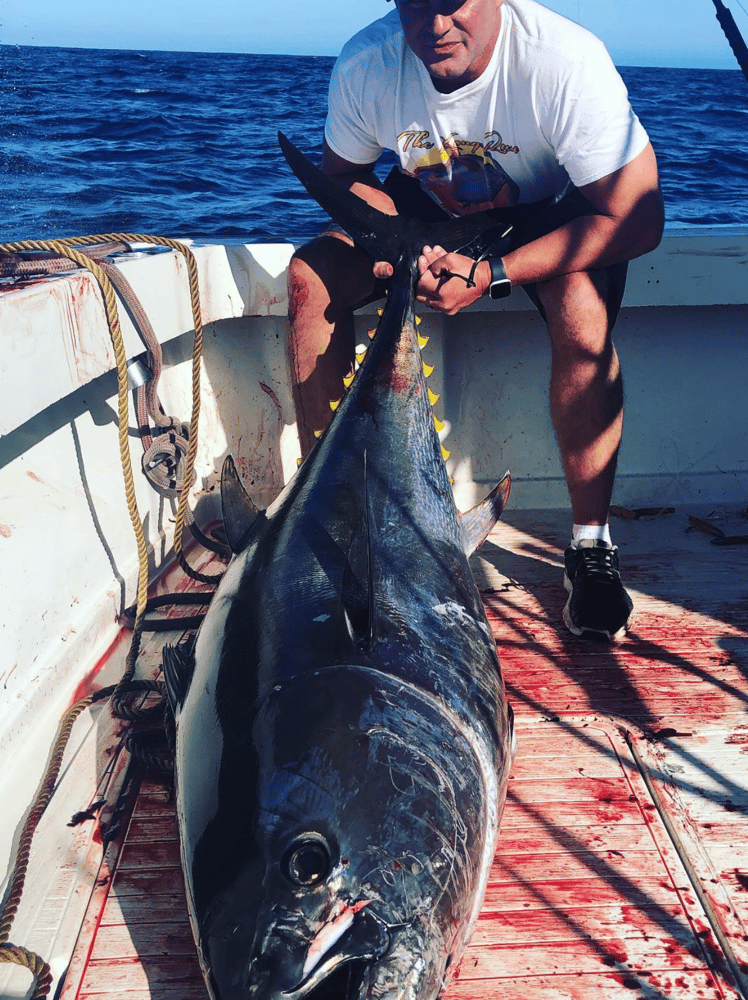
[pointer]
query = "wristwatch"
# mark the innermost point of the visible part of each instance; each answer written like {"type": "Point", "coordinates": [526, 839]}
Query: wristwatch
{"type": "Point", "coordinates": [500, 286]}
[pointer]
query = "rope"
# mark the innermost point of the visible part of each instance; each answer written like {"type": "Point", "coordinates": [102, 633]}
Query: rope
{"type": "Point", "coordinates": [34, 963]}
{"type": "Point", "coordinates": [62, 249]}
{"type": "Point", "coordinates": [196, 360]}
{"type": "Point", "coordinates": [120, 707]}
{"type": "Point", "coordinates": [14, 953]}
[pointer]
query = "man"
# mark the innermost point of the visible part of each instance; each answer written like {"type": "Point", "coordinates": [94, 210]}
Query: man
{"type": "Point", "coordinates": [500, 105]}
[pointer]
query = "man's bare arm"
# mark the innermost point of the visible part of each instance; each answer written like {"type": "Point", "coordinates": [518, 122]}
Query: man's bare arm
{"type": "Point", "coordinates": [629, 224]}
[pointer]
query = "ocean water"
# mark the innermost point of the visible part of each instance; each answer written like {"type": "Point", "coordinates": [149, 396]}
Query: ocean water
{"type": "Point", "coordinates": [184, 144]}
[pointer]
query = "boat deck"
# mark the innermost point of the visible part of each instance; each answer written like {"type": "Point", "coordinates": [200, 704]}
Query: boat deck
{"type": "Point", "coordinates": [622, 864]}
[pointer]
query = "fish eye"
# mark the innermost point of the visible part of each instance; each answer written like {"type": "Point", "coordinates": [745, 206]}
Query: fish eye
{"type": "Point", "coordinates": [307, 860]}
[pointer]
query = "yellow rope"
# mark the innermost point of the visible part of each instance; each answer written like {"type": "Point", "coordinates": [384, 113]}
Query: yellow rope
{"type": "Point", "coordinates": [34, 963]}
{"type": "Point", "coordinates": [18, 878]}
{"type": "Point", "coordinates": [196, 362]}
{"type": "Point", "coordinates": [62, 249]}
{"type": "Point", "coordinates": [66, 248]}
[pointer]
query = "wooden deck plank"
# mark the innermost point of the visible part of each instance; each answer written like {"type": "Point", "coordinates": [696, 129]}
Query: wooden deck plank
{"type": "Point", "coordinates": [161, 991]}
{"type": "Point", "coordinates": [590, 986]}
{"type": "Point", "coordinates": [597, 923]}
{"type": "Point", "coordinates": [150, 881]}
{"type": "Point", "coordinates": [118, 978]}
{"type": "Point", "coordinates": [579, 868]}
{"type": "Point", "coordinates": [139, 940]}
{"type": "Point", "coordinates": [517, 958]}
{"type": "Point", "coordinates": [568, 894]}
{"type": "Point", "coordinates": [572, 813]}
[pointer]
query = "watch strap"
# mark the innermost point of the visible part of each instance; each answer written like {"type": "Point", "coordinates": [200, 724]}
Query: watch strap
{"type": "Point", "coordinates": [500, 286]}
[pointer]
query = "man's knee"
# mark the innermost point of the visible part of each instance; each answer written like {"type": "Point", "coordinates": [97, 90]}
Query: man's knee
{"type": "Point", "coordinates": [584, 287]}
{"type": "Point", "coordinates": [576, 307]}
{"type": "Point", "coordinates": [328, 270]}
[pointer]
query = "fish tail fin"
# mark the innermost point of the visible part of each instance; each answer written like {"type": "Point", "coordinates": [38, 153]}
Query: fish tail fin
{"type": "Point", "coordinates": [380, 235]}
{"type": "Point", "coordinates": [385, 237]}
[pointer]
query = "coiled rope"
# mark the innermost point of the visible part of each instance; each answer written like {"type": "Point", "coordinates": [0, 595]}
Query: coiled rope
{"type": "Point", "coordinates": [126, 686]}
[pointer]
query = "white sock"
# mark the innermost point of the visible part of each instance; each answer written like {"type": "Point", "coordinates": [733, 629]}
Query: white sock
{"type": "Point", "coordinates": [597, 532]}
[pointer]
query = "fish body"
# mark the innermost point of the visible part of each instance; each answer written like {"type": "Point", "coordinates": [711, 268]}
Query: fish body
{"type": "Point", "coordinates": [343, 739]}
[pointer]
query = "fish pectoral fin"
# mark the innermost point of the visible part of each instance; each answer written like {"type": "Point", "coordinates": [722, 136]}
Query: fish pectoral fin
{"type": "Point", "coordinates": [178, 665]}
{"type": "Point", "coordinates": [240, 515]}
{"type": "Point", "coordinates": [358, 597]}
{"type": "Point", "coordinates": [479, 520]}
{"type": "Point", "coordinates": [363, 938]}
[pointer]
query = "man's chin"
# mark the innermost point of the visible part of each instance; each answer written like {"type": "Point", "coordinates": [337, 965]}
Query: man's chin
{"type": "Point", "coordinates": [446, 75]}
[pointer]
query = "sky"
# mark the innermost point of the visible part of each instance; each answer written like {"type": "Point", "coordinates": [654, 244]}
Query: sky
{"type": "Point", "coordinates": [636, 32]}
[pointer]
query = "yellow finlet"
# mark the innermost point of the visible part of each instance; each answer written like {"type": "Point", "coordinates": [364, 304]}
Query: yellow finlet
{"type": "Point", "coordinates": [335, 403]}
{"type": "Point", "coordinates": [419, 320]}
{"type": "Point", "coordinates": [318, 434]}
{"type": "Point", "coordinates": [439, 424]}
{"type": "Point", "coordinates": [434, 397]}
{"type": "Point", "coordinates": [371, 333]}
{"type": "Point", "coordinates": [360, 357]}
{"type": "Point", "coordinates": [427, 369]}
{"type": "Point", "coordinates": [422, 341]}
{"type": "Point", "coordinates": [445, 453]}
{"type": "Point", "coordinates": [347, 379]}
{"type": "Point", "coordinates": [298, 462]}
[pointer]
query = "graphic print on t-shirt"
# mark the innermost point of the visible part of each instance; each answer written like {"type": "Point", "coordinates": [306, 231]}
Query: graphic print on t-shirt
{"type": "Point", "coordinates": [462, 175]}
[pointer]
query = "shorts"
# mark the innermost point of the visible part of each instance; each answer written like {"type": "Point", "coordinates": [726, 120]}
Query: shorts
{"type": "Point", "coordinates": [529, 222]}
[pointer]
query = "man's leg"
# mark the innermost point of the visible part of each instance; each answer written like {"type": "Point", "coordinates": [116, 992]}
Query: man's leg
{"type": "Point", "coordinates": [586, 397]}
{"type": "Point", "coordinates": [586, 392]}
{"type": "Point", "coordinates": [327, 278]}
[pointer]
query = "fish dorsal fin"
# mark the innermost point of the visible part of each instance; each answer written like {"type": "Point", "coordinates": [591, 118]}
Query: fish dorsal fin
{"type": "Point", "coordinates": [478, 521]}
{"type": "Point", "coordinates": [179, 665]}
{"type": "Point", "coordinates": [239, 511]}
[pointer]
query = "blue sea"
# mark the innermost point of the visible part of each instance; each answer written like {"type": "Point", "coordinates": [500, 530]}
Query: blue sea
{"type": "Point", "coordinates": [184, 144]}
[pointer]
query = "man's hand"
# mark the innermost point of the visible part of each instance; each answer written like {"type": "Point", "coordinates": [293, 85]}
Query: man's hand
{"type": "Point", "coordinates": [443, 284]}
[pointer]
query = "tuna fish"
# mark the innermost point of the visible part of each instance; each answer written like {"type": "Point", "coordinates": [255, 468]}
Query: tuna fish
{"type": "Point", "coordinates": [343, 739]}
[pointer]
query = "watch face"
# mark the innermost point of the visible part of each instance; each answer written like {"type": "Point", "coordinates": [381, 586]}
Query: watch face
{"type": "Point", "coordinates": [500, 285]}
{"type": "Point", "coordinates": [500, 289]}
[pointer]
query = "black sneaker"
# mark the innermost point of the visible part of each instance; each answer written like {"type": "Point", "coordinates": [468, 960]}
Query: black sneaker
{"type": "Point", "coordinates": [597, 602]}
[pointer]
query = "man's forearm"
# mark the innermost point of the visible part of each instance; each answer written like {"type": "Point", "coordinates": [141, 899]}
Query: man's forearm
{"type": "Point", "coordinates": [585, 244]}
{"type": "Point", "coordinates": [629, 223]}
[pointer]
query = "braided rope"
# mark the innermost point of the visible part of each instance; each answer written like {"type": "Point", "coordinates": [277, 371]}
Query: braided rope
{"type": "Point", "coordinates": [15, 889]}
{"type": "Point", "coordinates": [66, 248]}
{"type": "Point", "coordinates": [14, 953]}
{"type": "Point", "coordinates": [40, 970]}
{"type": "Point", "coordinates": [196, 362]}
{"type": "Point", "coordinates": [62, 249]}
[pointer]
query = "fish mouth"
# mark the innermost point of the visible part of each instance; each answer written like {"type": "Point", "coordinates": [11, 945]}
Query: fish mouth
{"type": "Point", "coordinates": [339, 972]}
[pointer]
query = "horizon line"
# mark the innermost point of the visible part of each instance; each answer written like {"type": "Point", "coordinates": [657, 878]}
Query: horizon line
{"type": "Point", "coordinates": [302, 55]}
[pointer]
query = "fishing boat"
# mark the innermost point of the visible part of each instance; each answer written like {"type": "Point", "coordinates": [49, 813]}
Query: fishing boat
{"type": "Point", "coordinates": [622, 863]}
{"type": "Point", "coordinates": [132, 366]}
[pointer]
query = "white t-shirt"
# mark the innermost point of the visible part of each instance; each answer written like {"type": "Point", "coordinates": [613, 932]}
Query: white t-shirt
{"type": "Point", "coordinates": [550, 107]}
